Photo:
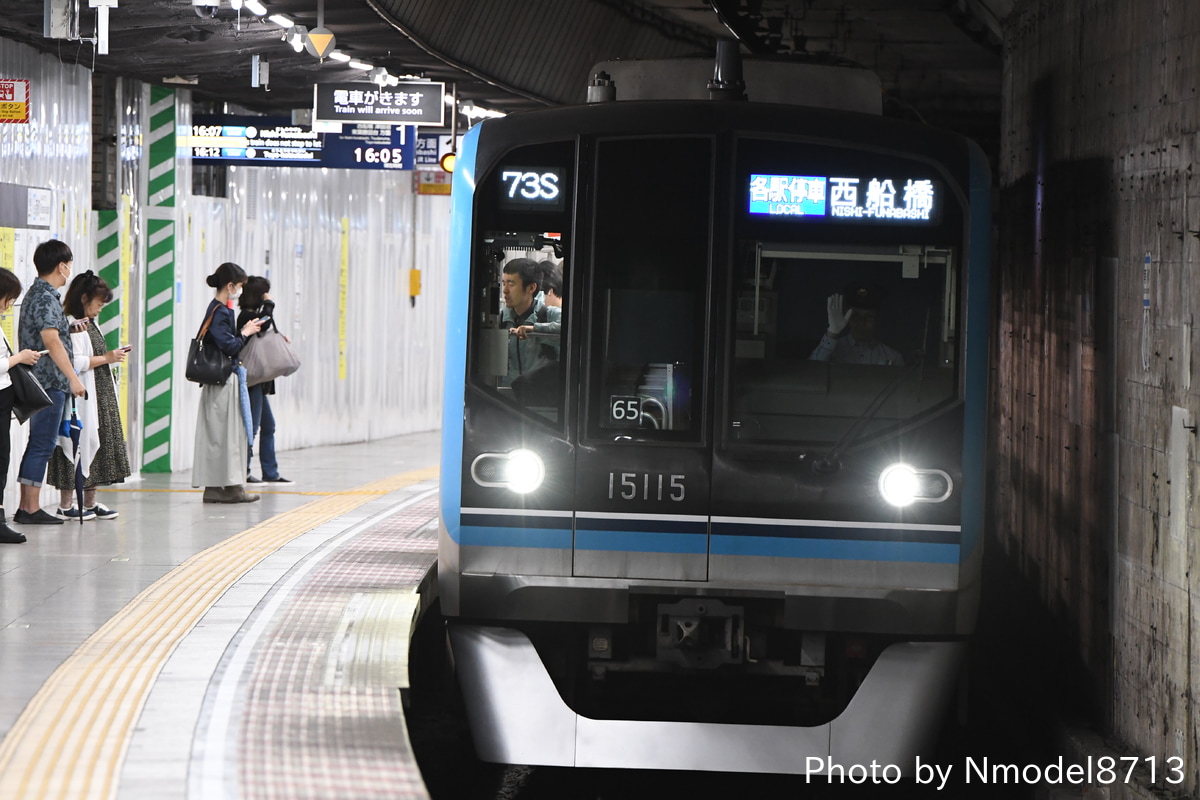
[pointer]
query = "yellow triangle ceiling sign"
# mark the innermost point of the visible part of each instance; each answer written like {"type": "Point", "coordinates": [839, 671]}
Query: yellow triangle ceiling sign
{"type": "Point", "coordinates": [320, 42]}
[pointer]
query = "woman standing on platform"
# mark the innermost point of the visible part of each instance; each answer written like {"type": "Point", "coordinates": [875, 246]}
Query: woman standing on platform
{"type": "Point", "coordinates": [256, 303]}
{"type": "Point", "coordinates": [219, 463]}
{"type": "Point", "coordinates": [10, 290]}
{"type": "Point", "coordinates": [105, 461]}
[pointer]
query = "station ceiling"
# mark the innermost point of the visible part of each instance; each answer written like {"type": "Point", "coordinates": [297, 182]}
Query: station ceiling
{"type": "Point", "coordinates": [939, 60]}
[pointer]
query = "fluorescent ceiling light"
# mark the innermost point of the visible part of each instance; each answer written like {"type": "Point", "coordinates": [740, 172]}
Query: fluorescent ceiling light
{"type": "Point", "coordinates": [255, 7]}
{"type": "Point", "coordinates": [281, 20]}
{"type": "Point", "coordinates": [338, 55]}
{"type": "Point", "coordinates": [356, 64]}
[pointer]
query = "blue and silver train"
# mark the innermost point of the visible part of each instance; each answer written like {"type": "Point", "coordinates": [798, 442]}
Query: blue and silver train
{"type": "Point", "coordinates": [721, 510]}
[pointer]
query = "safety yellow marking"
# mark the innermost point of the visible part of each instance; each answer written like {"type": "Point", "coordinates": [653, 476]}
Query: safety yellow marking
{"type": "Point", "coordinates": [70, 741]}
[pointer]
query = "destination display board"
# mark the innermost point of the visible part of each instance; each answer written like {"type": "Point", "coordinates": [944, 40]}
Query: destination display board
{"type": "Point", "coordinates": [275, 141]}
{"type": "Point", "coordinates": [866, 198]}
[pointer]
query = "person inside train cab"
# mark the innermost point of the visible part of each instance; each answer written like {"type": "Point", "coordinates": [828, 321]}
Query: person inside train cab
{"type": "Point", "coordinates": [853, 316]}
{"type": "Point", "coordinates": [549, 319]}
{"type": "Point", "coordinates": [523, 309]}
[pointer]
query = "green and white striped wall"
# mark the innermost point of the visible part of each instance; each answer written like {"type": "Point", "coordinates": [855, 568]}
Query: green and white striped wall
{"type": "Point", "coordinates": [160, 283]}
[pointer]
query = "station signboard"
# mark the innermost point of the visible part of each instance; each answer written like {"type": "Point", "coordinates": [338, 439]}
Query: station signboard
{"type": "Point", "coordinates": [406, 103]}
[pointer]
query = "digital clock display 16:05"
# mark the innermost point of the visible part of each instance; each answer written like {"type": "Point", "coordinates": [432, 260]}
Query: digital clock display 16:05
{"type": "Point", "coordinates": [379, 155]}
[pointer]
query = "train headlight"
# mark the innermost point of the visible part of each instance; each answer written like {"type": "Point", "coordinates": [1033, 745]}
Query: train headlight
{"type": "Point", "coordinates": [522, 471]}
{"type": "Point", "coordinates": [525, 471]}
{"type": "Point", "coordinates": [902, 485]}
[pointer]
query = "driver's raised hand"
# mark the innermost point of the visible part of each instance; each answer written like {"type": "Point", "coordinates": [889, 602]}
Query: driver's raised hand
{"type": "Point", "coordinates": [837, 317]}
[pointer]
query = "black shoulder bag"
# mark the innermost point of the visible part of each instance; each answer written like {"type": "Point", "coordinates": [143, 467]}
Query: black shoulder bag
{"type": "Point", "coordinates": [207, 365]}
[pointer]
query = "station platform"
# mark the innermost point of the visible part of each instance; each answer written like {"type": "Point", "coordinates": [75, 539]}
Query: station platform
{"type": "Point", "coordinates": [191, 650]}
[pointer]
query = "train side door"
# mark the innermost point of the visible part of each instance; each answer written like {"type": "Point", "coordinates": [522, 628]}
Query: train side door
{"type": "Point", "coordinates": [643, 463]}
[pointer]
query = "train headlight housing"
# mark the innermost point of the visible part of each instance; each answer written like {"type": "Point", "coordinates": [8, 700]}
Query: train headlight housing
{"type": "Point", "coordinates": [521, 471]}
{"type": "Point", "coordinates": [902, 485]}
{"type": "Point", "coordinates": [525, 471]}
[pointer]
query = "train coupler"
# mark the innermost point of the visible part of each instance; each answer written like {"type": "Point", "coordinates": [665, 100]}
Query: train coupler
{"type": "Point", "coordinates": [700, 632]}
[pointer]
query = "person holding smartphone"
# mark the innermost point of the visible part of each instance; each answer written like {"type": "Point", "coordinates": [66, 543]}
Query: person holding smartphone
{"type": "Point", "coordinates": [103, 455]}
{"type": "Point", "coordinates": [256, 303]}
{"type": "Point", "coordinates": [219, 459]}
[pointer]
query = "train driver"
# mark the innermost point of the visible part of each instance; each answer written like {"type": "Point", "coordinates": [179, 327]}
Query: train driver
{"type": "Point", "coordinates": [853, 321]}
{"type": "Point", "coordinates": [524, 308]}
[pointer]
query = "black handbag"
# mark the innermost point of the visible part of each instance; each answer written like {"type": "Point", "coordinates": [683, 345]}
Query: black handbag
{"type": "Point", "coordinates": [207, 365]}
{"type": "Point", "coordinates": [29, 396]}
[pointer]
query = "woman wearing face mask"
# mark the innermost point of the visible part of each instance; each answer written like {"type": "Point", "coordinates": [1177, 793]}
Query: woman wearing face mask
{"type": "Point", "coordinates": [219, 463]}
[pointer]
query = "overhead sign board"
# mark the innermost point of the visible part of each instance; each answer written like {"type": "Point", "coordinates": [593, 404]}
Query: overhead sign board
{"type": "Point", "coordinates": [370, 146]}
{"type": "Point", "coordinates": [275, 141]}
{"type": "Point", "coordinates": [431, 147]}
{"type": "Point", "coordinates": [264, 140]}
{"type": "Point", "coordinates": [407, 103]}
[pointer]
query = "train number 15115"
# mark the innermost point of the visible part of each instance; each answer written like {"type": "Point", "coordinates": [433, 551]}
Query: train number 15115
{"type": "Point", "coordinates": [644, 486]}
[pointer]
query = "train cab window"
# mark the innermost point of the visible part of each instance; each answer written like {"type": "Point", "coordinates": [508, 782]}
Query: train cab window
{"type": "Point", "coordinates": [830, 339]}
{"type": "Point", "coordinates": [651, 244]}
{"type": "Point", "coordinates": [520, 276]}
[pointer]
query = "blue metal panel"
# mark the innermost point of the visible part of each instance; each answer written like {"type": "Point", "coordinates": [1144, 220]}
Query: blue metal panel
{"type": "Point", "coordinates": [454, 392]}
{"type": "Point", "coordinates": [978, 321]}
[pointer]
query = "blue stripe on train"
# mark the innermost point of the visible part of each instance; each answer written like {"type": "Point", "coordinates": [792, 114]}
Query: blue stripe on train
{"type": "Point", "coordinates": [831, 532]}
{"type": "Point", "coordinates": [642, 542]}
{"type": "Point", "coordinates": [835, 549]}
{"type": "Point", "coordinates": [550, 538]}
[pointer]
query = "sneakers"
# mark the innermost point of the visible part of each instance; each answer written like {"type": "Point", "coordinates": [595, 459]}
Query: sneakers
{"type": "Point", "coordinates": [278, 480]}
{"type": "Point", "coordinates": [251, 479]}
{"type": "Point", "coordinates": [39, 517]}
{"type": "Point", "coordinates": [73, 514]}
{"type": "Point", "coordinates": [102, 512]}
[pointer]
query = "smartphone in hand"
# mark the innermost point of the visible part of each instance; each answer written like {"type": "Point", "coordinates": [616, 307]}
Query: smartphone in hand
{"type": "Point", "coordinates": [263, 320]}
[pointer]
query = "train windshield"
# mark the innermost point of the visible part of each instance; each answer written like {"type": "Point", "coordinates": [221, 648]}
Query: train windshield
{"type": "Point", "coordinates": [520, 276]}
{"type": "Point", "coordinates": [842, 341]}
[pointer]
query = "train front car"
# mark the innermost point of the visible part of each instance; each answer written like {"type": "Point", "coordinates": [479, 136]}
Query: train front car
{"type": "Point", "coordinates": [722, 509]}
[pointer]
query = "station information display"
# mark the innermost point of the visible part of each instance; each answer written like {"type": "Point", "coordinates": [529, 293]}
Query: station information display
{"type": "Point", "coordinates": [275, 141]}
{"type": "Point", "coordinates": [830, 197]}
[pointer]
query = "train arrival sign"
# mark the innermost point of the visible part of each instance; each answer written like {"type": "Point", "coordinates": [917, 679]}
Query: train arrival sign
{"type": "Point", "coordinates": [405, 103]}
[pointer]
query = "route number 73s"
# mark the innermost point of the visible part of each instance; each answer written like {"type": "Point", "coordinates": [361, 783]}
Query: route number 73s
{"type": "Point", "coordinates": [531, 185]}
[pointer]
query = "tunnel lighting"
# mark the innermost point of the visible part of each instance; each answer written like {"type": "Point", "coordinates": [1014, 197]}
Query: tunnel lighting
{"type": "Point", "coordinates": [296, 36]}
{"type": "Point", "coordinates": [255, 7]}
{"type": "Point", "coordinates": [898, 485]}
{"type": "Point", "coordinates": [525, 471]}
{"type": "Point", "coordinates": [236, 5]}
{"type": "Point", "coordinates": [354, 63]}
{"type": "Point", "coordinates": [282, 20]}
{"type": "Point", "coordinates": [338, 55]}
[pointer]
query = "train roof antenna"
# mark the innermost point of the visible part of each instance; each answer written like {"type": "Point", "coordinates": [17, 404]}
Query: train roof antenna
{"type": "Point", "coordinates": [727, 83]}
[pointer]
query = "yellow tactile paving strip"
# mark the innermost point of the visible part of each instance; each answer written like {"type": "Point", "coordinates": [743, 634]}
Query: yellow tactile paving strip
{"type": "Point", "coordinates": [70, 740]}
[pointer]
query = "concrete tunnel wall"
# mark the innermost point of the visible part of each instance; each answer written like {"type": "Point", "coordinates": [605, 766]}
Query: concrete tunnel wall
{"type": "Point", "coordinates": [1094, 434]}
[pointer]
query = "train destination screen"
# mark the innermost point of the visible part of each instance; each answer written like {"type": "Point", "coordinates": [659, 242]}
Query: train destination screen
{"type": "Point", "coordinates": [849, 198]}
